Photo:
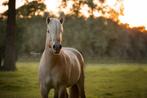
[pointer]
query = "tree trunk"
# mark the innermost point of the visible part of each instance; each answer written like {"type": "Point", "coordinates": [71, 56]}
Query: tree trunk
{"type": "Point", "coordinates": [1, 56]}
{"type": "Point", "coordinates": [10, 40]}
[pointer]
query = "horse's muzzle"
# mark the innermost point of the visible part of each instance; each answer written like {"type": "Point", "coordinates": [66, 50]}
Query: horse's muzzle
{"type": "Point", "coordinates": [57, 47]}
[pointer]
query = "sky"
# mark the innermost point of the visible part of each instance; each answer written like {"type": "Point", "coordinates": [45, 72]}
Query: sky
{"type": "Point", "coordinates": [4, 8]}
{"type": "Point", "coordinates": [135, 13]}
{"type": "Point", "coordinates": [134, 10]}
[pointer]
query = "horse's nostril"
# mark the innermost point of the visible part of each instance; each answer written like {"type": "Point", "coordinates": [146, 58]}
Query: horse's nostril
{"type": "Point", "coordinates": [54, 46]}
{"type": "Point", "coordinates": [60, 46]}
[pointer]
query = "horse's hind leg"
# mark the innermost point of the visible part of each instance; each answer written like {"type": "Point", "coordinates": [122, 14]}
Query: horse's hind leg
{"type": "Point", "coordinates": [74, 91]}
{"type": "Point", "coordinates": [65, 93]}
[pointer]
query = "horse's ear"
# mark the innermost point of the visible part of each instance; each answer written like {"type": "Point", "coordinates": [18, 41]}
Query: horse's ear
{"type": "Point", "coordinates": [61, 20]}
{"type": "Point", "coordinates": [48, 20]}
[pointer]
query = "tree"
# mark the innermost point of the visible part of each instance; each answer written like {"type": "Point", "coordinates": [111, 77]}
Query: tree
{"type": "Point", "coordinates": [10, 43]}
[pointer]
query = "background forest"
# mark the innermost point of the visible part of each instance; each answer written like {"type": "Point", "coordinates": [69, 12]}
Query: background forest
{"type": "Point", "coordinates": [96, 37]}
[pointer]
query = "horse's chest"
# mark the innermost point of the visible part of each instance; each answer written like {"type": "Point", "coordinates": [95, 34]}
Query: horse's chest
{"type": "Point", "coordinates": [62, 76]}
{"type": "Point", "coordinates": [56, 76]}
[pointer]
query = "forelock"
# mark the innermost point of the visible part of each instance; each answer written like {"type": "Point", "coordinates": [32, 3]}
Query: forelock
{"type": "Point", "coordinates": [55, 23]}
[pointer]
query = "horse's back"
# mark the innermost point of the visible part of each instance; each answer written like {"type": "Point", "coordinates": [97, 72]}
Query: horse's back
{"type": "Point", "coordinates": [74, 51]}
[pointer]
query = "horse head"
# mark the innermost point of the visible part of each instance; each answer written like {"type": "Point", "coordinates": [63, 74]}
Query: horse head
{"type": "Point", "coordinates": [54, 34]}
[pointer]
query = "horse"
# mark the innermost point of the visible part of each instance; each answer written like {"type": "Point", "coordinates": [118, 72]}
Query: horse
{"type": "Point", "coordinates": [60, 67]}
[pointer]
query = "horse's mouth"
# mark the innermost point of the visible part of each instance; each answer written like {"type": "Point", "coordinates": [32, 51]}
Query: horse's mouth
{"type": "Point", "coordinates": [56, 52]}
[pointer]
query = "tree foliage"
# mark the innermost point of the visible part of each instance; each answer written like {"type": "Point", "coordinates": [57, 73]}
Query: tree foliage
{"type": "Point", "coordinates": [101, 6]}
{"type": "Point", "coordinates": [30, 9]}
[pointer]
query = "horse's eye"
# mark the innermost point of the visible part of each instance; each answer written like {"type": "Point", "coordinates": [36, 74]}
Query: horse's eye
{"type": "Point", "coordinates": [48, 31]}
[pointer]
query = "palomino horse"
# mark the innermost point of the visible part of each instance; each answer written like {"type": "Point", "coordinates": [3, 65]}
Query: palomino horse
{"type": "Point", "coordinates": [60, 67]}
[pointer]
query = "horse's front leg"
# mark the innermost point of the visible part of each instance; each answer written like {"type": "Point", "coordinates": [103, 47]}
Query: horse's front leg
{"type": "Point", "coordinates": [44, 90]}
{"type": "Point", "coordinates": [60, 93]}
{"type": "Point", "coordinates": [56, 93]}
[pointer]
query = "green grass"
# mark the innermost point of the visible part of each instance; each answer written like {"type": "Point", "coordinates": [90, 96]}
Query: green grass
{"type": "Point", "coordinates": [102, 81]}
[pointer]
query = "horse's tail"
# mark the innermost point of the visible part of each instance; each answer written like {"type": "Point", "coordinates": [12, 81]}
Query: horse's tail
{"type": "Point", "coordinates": [81, 83]}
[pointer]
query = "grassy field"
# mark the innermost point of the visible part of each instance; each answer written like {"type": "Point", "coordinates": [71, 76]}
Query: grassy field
{"type": "Point", "coordinates": [102, 81]}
